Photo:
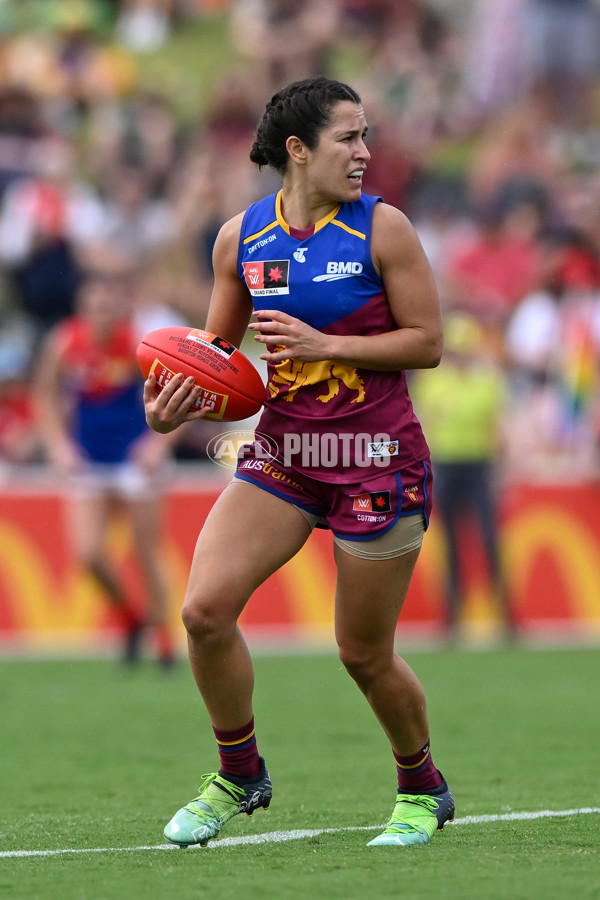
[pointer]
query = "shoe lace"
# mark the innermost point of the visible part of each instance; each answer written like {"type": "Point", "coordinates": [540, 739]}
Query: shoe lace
{"type": "Point", "coordinates": [400, 821]}
{"type": "Point", "coordinates": [426, 800]}
{"type": "Point", "coordinates": [207, 807]}
{"type": "Point", "coordinates": [402, 818]}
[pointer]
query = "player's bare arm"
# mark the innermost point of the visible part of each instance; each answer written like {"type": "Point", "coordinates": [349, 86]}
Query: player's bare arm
{"type": "Point", "coordinates": [228, 315]}
{"type": "Point", "coordinates": [230, 304]}
{"type": "Point", "coordinates": [413, 297]}
{"type": "Point", "coordinates": [50, 406]}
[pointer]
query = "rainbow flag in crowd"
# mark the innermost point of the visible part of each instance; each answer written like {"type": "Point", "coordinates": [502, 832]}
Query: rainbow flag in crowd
{"type": "Point", "coordinates": [580, 361]}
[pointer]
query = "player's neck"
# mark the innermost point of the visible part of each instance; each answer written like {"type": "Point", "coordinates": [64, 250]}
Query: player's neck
{"type": "Point", "coordinates": [301, 211]}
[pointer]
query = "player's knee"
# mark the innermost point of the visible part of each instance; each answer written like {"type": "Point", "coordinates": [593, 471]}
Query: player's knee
{"type": "Point", "coordinates": [363, 663]}
{"type": "Point", "coordinates": [206, 621]}
{"type": "Point", "coordinates": [199, 622]}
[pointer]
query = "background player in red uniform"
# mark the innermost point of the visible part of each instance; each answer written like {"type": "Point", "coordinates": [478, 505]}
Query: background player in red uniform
{"type": "Point", "coordinates": [313, 134]}
{"type": "Point", "coordinates": [88, 390]}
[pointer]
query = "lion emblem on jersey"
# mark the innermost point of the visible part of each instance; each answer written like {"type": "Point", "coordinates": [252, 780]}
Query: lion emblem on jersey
{"type": "Point", "coordinates": [295, 375]}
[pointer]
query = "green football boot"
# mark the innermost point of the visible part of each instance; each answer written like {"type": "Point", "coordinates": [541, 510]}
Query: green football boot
{"type": "Point", "coordinates": [218, 800]}
{"type": "Point", "coordinates": [416, 818]}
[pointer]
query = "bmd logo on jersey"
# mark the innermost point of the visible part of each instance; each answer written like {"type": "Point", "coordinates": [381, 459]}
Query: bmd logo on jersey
{"type": "Point", "coordinates": [340, 269]}
{"type": "Point", "coordinates": [269, 276]}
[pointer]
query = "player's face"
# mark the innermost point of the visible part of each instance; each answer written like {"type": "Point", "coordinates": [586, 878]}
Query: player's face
{"type": "Point", "coordinates": [336, 166]}
{"type": "Point", "coordinates": [103, 303]}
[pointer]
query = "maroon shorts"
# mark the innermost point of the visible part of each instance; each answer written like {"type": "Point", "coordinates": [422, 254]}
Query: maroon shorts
{"type": "Point", "coordinates": [360, 511]}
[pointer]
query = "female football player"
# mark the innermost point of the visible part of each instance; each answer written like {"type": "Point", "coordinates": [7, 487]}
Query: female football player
{"type": "Point", "coordinates": [87, 389]}
{"type": "Point", "coordinates": [344, 302]}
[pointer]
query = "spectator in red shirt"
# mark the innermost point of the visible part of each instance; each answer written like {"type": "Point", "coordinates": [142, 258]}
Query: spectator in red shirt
{"type": "Point", "coordinates": [497, 265]}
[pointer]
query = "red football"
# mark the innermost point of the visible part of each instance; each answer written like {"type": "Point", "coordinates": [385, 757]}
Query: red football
{"type": "Point", "coordinates": [231, 386]}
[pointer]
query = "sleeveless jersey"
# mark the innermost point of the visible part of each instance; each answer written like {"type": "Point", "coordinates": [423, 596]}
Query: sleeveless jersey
{"type": "Point", "coordinates": [104, 387]}
{"type": "Point", "coordinates": [328, 420]}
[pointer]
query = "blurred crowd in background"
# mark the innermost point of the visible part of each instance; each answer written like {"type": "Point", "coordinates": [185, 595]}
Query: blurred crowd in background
{"type": "Point", "coordinates": [484, 128]}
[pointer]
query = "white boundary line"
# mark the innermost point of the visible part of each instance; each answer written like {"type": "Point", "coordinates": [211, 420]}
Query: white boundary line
{"type": "Point", "coordinates": [278, 837]}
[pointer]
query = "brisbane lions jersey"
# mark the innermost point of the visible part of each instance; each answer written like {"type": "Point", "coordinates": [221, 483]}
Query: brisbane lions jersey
{"type": "Point", "coordinates": [329, 420]}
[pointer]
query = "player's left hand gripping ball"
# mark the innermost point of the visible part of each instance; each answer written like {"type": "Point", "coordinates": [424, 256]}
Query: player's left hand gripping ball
{"type": "Point", "coordinates": [232, 389]}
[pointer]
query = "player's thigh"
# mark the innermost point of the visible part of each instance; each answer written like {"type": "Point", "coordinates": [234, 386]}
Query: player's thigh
{"type": "Point", "coordinates": [248, 534]}
{"type": "Point", "coordinates": [87, 523]}
{"type": "Point", "coordinates": [145, 517]}
{"type": "Point", "coordinates": [369, 598]}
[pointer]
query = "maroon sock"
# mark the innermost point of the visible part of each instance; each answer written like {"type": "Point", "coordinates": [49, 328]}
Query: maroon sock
{"type": "Point", "coordinates": [238, 751]}
{"type": "Point", "coordinates": [417, 772]}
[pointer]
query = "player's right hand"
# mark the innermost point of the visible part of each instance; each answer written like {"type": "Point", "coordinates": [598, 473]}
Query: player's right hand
{"type": "Point", "coordinates": [174, 405]}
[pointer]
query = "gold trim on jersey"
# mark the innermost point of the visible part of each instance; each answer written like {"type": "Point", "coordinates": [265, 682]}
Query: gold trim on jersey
{"type": "Point", "coordinates": [318, 225]}
{"type": "Point", "coordinates": [348, 229]}
{"type": "Point", "coordinates": [330, 217]}
{"type": "Point", "coordinates": [259, 233]}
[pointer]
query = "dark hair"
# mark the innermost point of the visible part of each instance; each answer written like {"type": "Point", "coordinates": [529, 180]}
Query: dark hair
{"type": "Point", "coordinates": [301, 109]}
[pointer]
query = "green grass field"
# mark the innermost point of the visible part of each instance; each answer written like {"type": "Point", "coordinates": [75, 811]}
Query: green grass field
{"type": "Point", "coordinates": [96, 759]}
